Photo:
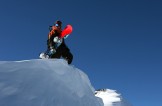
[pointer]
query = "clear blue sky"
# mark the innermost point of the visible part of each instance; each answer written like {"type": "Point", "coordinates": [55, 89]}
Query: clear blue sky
{"type": "Point", "coordinates": [117, 43]}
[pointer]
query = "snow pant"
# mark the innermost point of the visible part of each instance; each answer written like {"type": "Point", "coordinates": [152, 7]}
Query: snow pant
{"type": "Point", "coordinates": [63, 51]}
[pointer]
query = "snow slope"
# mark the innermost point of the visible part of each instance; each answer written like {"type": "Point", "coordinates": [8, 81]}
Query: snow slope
{"type": "Point", "coordinates": [43, 82]}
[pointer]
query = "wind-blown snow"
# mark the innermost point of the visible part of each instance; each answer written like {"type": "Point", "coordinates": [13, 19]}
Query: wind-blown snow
{"type": "Point", "coordinates": [107, 93]}
{"type": "Point", "coordinates": [45, 82]}
{"type": "Point", "coordinates": [111, 98]}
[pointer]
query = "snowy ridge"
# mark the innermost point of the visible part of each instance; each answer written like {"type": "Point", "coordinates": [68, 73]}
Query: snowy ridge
{"type": "Point", "coordinates": [45, 82]}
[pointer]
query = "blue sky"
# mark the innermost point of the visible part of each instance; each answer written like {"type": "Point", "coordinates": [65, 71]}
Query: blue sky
{"type": "Point", "coordinates": [117, 43]}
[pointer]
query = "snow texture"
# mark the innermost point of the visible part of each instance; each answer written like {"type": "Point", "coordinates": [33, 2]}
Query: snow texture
{"type": "Point", "coordinates": [45, 82]}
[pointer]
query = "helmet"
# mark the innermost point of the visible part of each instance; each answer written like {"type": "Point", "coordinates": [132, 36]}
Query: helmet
{"type": "Point", "coordinates": [58, 23]}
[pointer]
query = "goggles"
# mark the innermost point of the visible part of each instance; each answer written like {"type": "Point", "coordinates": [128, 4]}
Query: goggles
{"type": "Point", "coordinates": [56, 25]}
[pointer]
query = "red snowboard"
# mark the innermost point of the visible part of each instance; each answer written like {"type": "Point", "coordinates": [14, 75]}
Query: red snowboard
{"type": "Point", "coordinates": [66, 31]}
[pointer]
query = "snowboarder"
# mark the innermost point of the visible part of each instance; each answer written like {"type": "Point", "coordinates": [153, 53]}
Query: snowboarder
{"type": "Point", "coordinates": [56, 47]}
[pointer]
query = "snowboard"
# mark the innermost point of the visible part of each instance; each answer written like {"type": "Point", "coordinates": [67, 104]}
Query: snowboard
{"type": "Point", "coordinates": [64, 34]}
{"type": "Point", "coordinates": [66, 31]}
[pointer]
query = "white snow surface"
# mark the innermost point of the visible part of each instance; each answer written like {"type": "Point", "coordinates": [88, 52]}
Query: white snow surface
{"type": "Point", "coordinates": [107, 93]}
{"type": "Point", "coordinates": [46, 82]}
{"type": "Point", "coordinates": [111, 98]}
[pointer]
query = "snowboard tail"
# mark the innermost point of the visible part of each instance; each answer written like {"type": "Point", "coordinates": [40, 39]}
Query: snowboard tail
{"type": "Point", "coordinates": [66, 31]}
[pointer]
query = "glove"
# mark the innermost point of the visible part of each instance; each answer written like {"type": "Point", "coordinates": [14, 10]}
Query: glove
{"type": "Point", "coordinates": [57, 40]}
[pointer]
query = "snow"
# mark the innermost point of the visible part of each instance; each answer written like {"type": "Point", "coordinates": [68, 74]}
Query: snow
{"type": "Point", "coordinates": [107, 93]}
{"type": "Point", "coordinates": [111, 97]}
{"type": "Point", "coordinates": [47, 82]}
